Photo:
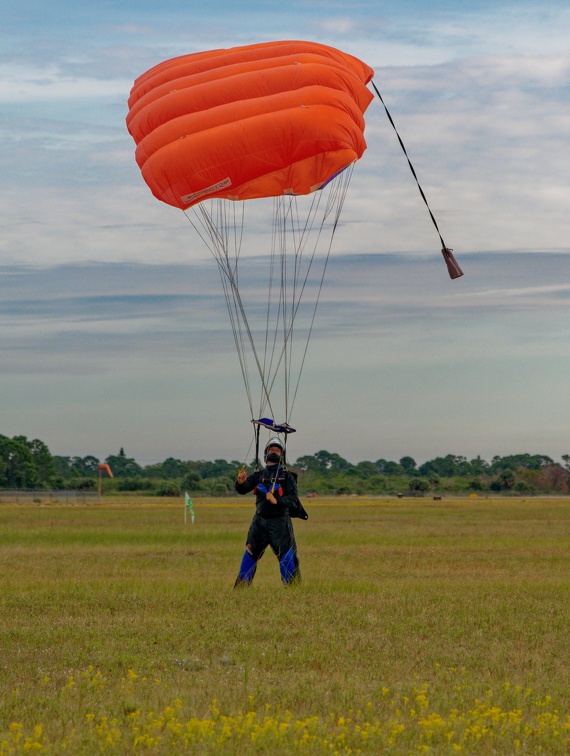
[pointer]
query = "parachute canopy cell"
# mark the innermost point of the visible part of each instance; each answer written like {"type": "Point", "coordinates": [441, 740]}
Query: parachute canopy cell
{"type": "Point", "coordinates": [262, 120]}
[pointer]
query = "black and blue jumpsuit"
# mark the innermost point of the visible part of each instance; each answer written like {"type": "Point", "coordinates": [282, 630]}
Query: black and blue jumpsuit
{"type": "Point", "coordinates": [271, 524]}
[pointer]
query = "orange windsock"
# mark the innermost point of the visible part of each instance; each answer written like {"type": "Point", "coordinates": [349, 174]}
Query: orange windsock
{"type": "Point", "coordinates": [105, 468]}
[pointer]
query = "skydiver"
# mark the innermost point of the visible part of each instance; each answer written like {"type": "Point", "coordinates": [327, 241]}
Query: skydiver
{"type": "Point", "coordinates": [276, 501]}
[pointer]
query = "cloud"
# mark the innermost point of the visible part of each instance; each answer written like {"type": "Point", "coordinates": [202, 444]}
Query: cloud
{"type": "Point", "coordinates": [151, 346]}
{"type": "Point", "coordinates": [511, 196]}
{"type": "Point", "coordinates": [339, 24]}
{"type": "Point", "coordinates": [29, 83]}
{"type": "Point", "coordinates": [176, 308]}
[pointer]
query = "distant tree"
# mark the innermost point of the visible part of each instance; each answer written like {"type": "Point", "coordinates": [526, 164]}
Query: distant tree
{"type": "Point", "coordinates": [42, 460]}
{"type": "Point", "coordinates": [392, 468]}
{"type": "Point", "coordinates": [85, 466]}
{"type": "Point", "coordinates": [153, 471]}
{"type": "Point", "coordinates": [479, 466]}
{"type": "Point", "coordinates": [173, 468]}
{"type": "Point", "coordinates": [555, 478]}
{"type": "Point", "coordinates": [332, 461]}
{"type": "Point", "coordinates": [418, 485]}
{"type": "Point", "coordinates": [505, 481]}
{"type": "Point", "coordinates": [135, 484]}
{"type": "Point", "coordinates": [366, 469]}
{"type": "Point", "coordinates": [192, 481]}
{"type": "Point", "coordinates": [462, 466]}
{"type": "Point", "coordinates": [566, 460]}
{"type": "Point", "coordinates": [527, 461]}
{"type": "Point", "coordinates": [541, 460]}
{"type": "Point", "coordinates": [122, 466]}
{"type": "Point", "coordinates": [62, 466]}
{"type": "Point", "coordinates": [168, 488]}
{"type": "Point", "coordinates": [307, 463]}
{"type": "Point", "coordinates": [376, 483]}
{"type": "Point", "coordinates": [220, 486]}
{"type": "Point", "coordinates": [324, 458]}
{"type": "Point", "coordinates": [25, 463]}
{"type": "Point", "coordinates": [324, 462]}
{"type": "Point", "coordinates": [17, 466]}
{"type": "Point", "coordinates": [344, 491]}
{"type": "Point", "coordinates": [522, 487]}
{"type": "Point", "coordinates": [84, 484]}
{"type": "Point", "coordinates": [215, 469]}
{"type": "Point", "coordinates": [447, 467]}
{"type": "Point", "coordinates": [408, 464]}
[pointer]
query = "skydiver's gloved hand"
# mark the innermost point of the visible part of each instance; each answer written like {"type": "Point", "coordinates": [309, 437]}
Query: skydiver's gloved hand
{"type": "Point", "coordinates": [242, 476]}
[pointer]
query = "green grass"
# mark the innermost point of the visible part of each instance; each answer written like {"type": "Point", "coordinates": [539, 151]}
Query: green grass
{"type": "Point", "coordinates": [439, 626]}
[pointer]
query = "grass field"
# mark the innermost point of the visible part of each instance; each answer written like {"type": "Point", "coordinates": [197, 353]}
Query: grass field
{"type": "Point", "coordinates": [420, 626]}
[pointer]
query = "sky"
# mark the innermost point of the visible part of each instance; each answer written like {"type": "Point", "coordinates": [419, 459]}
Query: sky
{"type": "Point", "coordinates": [113, 329]}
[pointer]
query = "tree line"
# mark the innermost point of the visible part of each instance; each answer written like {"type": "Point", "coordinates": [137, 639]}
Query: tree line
{"type": "Point", "coordinates": [26, 464]}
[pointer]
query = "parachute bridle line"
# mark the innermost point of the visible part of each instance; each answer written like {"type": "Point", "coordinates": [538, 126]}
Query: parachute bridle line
{"type": "Point", "coordinates": [452, 265]}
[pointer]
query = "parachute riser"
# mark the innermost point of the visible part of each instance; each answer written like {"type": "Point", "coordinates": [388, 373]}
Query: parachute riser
{"type": "Point", "coordinates": [285, 429]}
{"type": "Point", "coordinates": [257, 431]}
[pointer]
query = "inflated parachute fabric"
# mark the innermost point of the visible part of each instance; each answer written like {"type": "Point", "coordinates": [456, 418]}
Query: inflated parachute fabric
{"type": "Point", "coordinates": [256, 121]}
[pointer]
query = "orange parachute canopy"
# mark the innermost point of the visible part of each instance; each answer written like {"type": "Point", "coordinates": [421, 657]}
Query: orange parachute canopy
{"type": "Point", "coordinates": [256, 121]}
